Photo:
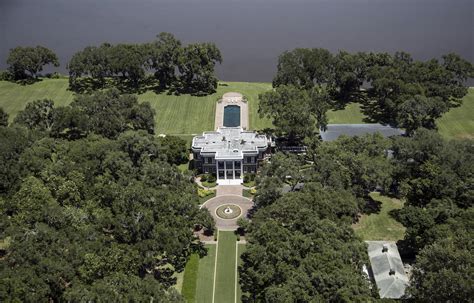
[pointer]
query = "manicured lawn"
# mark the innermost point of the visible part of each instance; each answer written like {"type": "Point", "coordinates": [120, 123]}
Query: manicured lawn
{"type": "Point", "coordinates": [459, 122]}
{"type": "Point", "coordinates": [226, 268]}
{"type": "Point", "coordinates": [204, 282]}
{"type": "Point", "coordinates": [190, 278]}
{"type": "Point", "coordinates": [186, 115]}
{"type": "Point", "coordinates": [183, 115]}
{"type": "Point", "coordinates": [205, 276]}
{"type": "Point", "coordinates": [13, 97]}
{"type": "Point", "coordinates": [349, 115]}
{"type": "Point", "coordinates": [381, 226]}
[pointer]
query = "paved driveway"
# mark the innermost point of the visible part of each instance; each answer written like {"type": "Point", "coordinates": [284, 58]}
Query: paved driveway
{"type": "Point", "coordinates": [228, 224]}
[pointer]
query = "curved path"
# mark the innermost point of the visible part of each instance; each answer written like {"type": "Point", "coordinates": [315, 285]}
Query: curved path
{"type": "Point", "coordinates": [228, 224]}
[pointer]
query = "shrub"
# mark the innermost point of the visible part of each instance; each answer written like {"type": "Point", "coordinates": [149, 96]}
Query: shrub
{"type": "Point", "coordinates": [204, 177]}
{"type": "Point", "coordinates": [5, 75]}
{"type": "Point", "coordinates": [204, 192]}
{"type": "Point", "coordinates": [54, 75]}
{"type": "Point", "coordinates": [246, 178]}
{"type": "Point", "coordinates": [211, 178]}
{"type": "Point", "coordinates": [253, 191]}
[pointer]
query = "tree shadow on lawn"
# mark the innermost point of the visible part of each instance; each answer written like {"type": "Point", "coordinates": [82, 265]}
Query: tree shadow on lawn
{"type": "Point", "coordinates": [371, 206]}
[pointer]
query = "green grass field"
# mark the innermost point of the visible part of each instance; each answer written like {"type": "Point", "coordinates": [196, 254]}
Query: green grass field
{"type": "Point", "coordinates": [189, 285]}
{"type": "Point", "coordinates": [225, 285]}
{"type": "Point", "coordinates": [205, 276]}
{"type": "Point", "coordinates": [349, 115]}
{"type": "Point", "coordinates": [183, 115]}
{"type": "Point", "coordinates": [381, 226]}
{"type": "Point", "coordinates": [459, 122]}
{"type": "Point", "coordinates": [214, 278]}
{"type": "Point", "coordinates": [186, 115]}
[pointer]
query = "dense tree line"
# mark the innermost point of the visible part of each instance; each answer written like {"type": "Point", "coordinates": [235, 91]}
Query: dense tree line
{"type": "Point", "coordinates": [298, 241]}
{"type": "Point", "coordinates": [181, 68]}
{"type": "Point", "coordinates": [92, 205]}
{"type": "Point", "coordinates": [393, 89]}
{"type": "Point", "coordinates": [436, 177]}
{"type": "Point", "coordinates": [158, 65]}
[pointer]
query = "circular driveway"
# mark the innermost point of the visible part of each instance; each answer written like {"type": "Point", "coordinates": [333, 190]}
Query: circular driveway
{"type": "Point", "coordinates": [228, 224]}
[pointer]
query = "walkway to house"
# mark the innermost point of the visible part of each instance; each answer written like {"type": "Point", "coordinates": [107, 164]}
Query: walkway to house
{"type": "Point", "coordinates": [232, 99]}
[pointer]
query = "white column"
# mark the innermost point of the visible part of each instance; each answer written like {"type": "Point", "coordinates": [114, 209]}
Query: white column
{"type": "Point", "coordinates": [242, 169]}
{"type": "Point", "coordinates": [217, 169]}
{"type": "Point", "coordinates": [225, 170]}
{"type": "Point", "coordinates": [233, 169]}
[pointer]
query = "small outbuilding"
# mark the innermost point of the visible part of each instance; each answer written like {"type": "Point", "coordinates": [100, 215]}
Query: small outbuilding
{"type": "Point", "coordinates": [387, 269]}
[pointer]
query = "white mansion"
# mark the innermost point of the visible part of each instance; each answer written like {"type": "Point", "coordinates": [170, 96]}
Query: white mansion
{"type": "Point", "coordinates": [229, 152]}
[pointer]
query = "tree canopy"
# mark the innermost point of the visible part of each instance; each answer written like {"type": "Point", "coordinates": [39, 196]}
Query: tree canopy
{"type": "Point", "coordinates": [393, 89]}
{"type": "Point", "coordinates": [104, 215]}
{"type": "Point", "coordinates": [3, 117]}
{"type": "Point", "coordinates": [107, 113]}
{"type": "Point", "coordinates": [295, 113]}
{"type": "Point", "coordinates": [300, 250]}
{"type": "Point", "coordinates": [27, 62]}
{"type": "Point", "coordinates": [297, 240]}
{"type": "Point", "coordinates": [183, 69]}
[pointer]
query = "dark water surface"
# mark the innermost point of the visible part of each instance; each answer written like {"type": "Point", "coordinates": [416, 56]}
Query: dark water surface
{"type": "Point", "coordinates": [250, 33]}
{"type": "Point", "coordinates": [232, 115]}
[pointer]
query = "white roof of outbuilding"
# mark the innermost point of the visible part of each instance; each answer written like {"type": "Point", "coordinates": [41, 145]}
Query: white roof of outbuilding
{"type": "Point", "coordinates": [387, 268]}
{"type": "Point", "coordinates": [334, 131]}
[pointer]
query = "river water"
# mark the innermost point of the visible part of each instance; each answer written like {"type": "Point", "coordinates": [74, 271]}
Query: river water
{"type": "Point", "coordinates": [250, 33]}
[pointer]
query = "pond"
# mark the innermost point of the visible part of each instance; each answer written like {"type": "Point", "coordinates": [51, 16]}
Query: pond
{"type": "Point", "coordinates": [232, 115]}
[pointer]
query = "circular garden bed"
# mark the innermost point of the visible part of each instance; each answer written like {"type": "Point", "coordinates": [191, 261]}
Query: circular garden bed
{"type": "Point", "coordinates": [228, 211]}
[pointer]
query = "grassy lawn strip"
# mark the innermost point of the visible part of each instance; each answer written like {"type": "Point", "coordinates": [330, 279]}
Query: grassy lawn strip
{"type": "Point", "coordinates": [205, 276]}
{"type": "Point", "coordinates": [240, 249]}
{"type": "Point", "coordinates": [225, 273]}
{"type": "Point", "coordinates": [190, 278]}
{"type": "Point", "coordinates": [381, 226]}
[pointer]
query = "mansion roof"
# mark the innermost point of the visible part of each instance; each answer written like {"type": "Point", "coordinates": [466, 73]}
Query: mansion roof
{"type": "Point", "coordinates": [229, 143]}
